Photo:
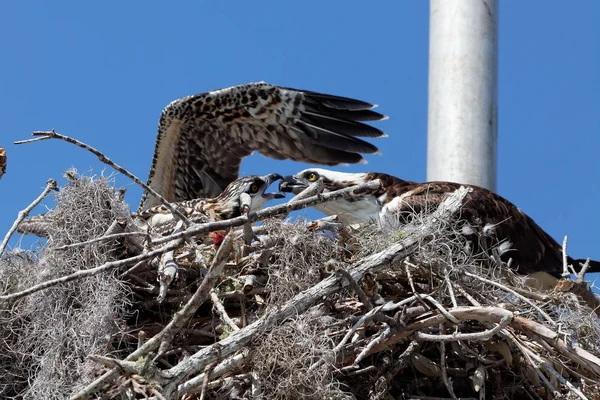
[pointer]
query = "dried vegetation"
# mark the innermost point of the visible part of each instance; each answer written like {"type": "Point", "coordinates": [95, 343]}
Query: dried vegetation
{"type": "Point", "coordinates": [310, 310]}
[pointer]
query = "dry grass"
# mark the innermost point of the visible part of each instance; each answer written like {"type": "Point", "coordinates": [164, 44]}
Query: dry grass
{"type": "Point", "coordinates": [51, 333]}
{"type": "Point", "coordinates": [382, 337]}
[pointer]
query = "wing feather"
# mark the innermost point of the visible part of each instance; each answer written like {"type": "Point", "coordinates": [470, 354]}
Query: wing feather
{"type": "Point", "coordinates": [534, 249]}
{"type": "Point", "coordinates": [202, 139]}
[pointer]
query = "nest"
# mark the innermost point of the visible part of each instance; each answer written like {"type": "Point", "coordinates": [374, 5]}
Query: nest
{"type": "Point", "coordinates": [302, 309]}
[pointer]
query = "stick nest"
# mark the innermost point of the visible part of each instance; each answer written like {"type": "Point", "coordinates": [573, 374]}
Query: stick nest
{"type": "Point", "coordinates": [309, 310]}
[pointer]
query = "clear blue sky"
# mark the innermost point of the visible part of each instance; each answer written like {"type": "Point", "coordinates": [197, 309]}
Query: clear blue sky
{"type": "Point", "coordinates": [102, 72]}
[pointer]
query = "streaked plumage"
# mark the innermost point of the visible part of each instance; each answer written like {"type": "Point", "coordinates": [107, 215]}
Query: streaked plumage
{"type": "Point", "coordinates": [159, 220]}
{"type": "Point", "coordinates": [202, 139]}
{"type": "Point", "coordinates": [530, 247]}
{"type": "Point", "coordinates": [40, 225]}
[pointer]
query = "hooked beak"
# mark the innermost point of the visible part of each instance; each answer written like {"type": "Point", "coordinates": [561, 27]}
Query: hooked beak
{"type": "Point", "coordinates": [270, 179]}
{"type": "Point", "coordinates": [292, 184]}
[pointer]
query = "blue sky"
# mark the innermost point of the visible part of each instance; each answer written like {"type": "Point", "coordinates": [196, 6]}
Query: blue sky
{"type": "Point", "coordinates": [102, 72]}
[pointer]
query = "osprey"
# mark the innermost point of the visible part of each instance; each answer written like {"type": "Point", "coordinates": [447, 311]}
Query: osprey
{"type": "Point", "coordinates": [158, 220]}
{"type": "Point", "coordinates": [520, 238]}
{"type": "Point", "coordinates": [202, 139]}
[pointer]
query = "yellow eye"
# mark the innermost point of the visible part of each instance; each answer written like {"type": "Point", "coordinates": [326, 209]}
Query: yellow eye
{"type": "Point", "coordinates": [312, 177]}
{"type": "Point", "coordinates": [254, 188]}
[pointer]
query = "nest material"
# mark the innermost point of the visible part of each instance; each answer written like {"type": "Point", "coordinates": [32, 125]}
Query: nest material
{"type": "Point", "coordinates": [311, 310]}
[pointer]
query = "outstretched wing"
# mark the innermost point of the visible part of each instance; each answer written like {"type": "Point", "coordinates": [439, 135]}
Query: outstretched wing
{"type": "Point", "coordinates": [202, 139]}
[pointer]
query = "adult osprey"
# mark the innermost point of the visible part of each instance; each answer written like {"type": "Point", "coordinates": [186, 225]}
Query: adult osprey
{"type": "Point", "coordinates": [520, 238]}
{"type": "Point", "coordinates": [202, 139]}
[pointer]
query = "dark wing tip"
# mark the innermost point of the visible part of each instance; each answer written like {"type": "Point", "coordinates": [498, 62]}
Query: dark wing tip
{"type": "Point", "coordinates": [335, 123]}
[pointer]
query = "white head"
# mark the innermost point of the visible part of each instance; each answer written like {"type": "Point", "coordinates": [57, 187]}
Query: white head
{"type": "Point", "coordinates": [349, 210]}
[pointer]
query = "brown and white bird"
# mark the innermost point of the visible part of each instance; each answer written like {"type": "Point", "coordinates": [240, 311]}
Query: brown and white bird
{"type": "Point", "coordinates": [229, 204]}
{"type": "Point", "coordinates": [500, 221]}
{"type": "Point", "coordinates": [203, 138]}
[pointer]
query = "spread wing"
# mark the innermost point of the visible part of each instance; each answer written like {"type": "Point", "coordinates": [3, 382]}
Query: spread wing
{"type": "Point", "coordinates": [532, 249]}
{"type": "Point", "coordinates": [202, 139]}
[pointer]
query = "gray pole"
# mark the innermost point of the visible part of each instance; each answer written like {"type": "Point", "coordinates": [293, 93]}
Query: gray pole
{"type": "Point", "coordinates": [463, 80]}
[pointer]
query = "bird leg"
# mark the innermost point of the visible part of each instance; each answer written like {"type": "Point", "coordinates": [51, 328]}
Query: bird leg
{"type": "Point", "coordinates": [248, 234]}
{"type": "Point", "coordinates": [167, 273]}
{"type": "Point", "coordinates": [167, 269]}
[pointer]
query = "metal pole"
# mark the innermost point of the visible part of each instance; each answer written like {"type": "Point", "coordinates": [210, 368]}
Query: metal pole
{"type": "Point", "coordinates": [463, 78]}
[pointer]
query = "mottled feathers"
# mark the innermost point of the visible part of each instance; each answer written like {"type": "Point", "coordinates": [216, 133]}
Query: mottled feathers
{"type": "Point", "coordinates": [202, 139]}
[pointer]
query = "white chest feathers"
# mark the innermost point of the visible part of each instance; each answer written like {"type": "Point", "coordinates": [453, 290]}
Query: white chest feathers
{"type": "Point", "coordinates": [363, 210]}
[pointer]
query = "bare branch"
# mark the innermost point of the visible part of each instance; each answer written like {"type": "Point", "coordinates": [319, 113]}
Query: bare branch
{"type": "Point", "coordinates": [514, 292]}
{"type": "Point", "coordinates": [89, 272]}
{"type": "Point", "coordinates": [221, 310]}
{"type": "Point", "coordinates": [50, 186]}
{"type": "Point", "coordinates": [53, 135]}
{"type": "Point", "coordinates": [290, 206]}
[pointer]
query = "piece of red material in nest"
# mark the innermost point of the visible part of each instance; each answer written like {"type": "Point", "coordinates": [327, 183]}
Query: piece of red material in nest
{"type": "Point", "coordinates": [217, 237]}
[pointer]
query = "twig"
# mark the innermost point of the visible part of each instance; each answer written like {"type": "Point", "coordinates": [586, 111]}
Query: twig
{"type": "Point", "coordinates": [561, 378]}
{"type": "Point", "coordinates": [295, 306]}
{"type": "Point", "coordinates": [566, 272]}
{"type": "Point", "coordinates": [440, 307]}
{"type": "Point", "coordinates": [470, 298]}
{"type": "Point", "coordinates": [581, 274]}
{"type": "Point", "coordinates": [380, 338]}
{"type": "Point", "coordinates": [403, 360]}
{"type": "Point", "coordinates": [53, 135]}
{"type": "Point", "coordinates": [221, 310]}
{"type": "Point", "coordinates": [164, 337]}
{"type": "Point", "coordinates": [529, 355]}
{"type": "Point", "coordinates": [220, 370]}
{"type": "Point", "coordinates": [89, 272]}
{"type": "Point", "coordinates": [482, 314]}
{"type": "Point", "coordinates": [443, 364]}
{"type": "Point", "coordinates": [207, 372]}
{"type": "Point", "coordinates": [37, 139]}
{"type": "Point", "coordinates": [132, 269]}
{"type": "Point", "coordinates": [312, 190]}
{"type": "Point", "coordinates": [256, 387]}
{"type": "Point", "coordinates": [290, 206]}
{"type": "Point", "coordinates": [509, 290]}
{"type": "Point", "coordinates": [450, 288]}
{"type": "Point", "coordinates": [480, 336]}
{"type": "Point", "coordinates": [361, 294]}
{"type": "Point", "coordinates": [102, 239]}
{"type": "Point", "coordinates": [412, 284]}
{"type": "Point", "coordinates": [347, 336]}
{"type": "Point", "coordinates": [199, 297]}
{"type": "Point", "coordinates": [50, 186]}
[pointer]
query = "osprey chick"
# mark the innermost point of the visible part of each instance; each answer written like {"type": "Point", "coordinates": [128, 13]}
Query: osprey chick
{"type": "Point", "coordinates": [530, 247]}
{"type": "Point", "coordinates": [227, 205]}
{"type": "Point", "coordinates": [202, 139]}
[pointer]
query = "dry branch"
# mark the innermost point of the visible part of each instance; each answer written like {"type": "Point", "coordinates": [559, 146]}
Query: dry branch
{"type": "Point", "coordinates": [50, 186]}
{"type": "Point", "coordinates": [329, 313]}
{"type": "Point", "coordinates": [104, 159]}
{"type": "Point", "coordinates": [304, 301]}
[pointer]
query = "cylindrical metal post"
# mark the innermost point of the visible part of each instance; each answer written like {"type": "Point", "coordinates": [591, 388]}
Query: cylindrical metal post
{"type": "Point", "coordinates": [463, 77]}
